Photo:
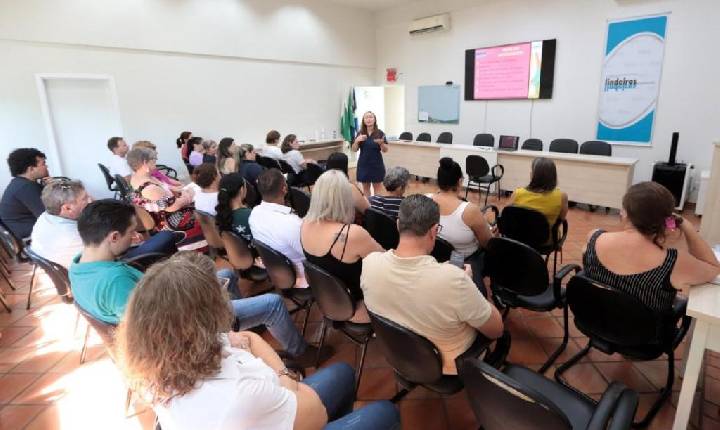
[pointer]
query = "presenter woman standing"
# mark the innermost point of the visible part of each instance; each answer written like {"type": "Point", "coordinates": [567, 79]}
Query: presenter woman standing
{"type": "Point", "coordinates": [372, 143]}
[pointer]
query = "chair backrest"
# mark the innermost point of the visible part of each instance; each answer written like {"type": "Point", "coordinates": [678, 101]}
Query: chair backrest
{"type": "Point", "coordinates": [280, 269]}
{"type": "Point", "coordinates": [532, 145]}
{"type": "Point", "coordinates": [123, 187]}
{"type": "Point", "coordinates": [424, 137]}
{"type": "Point", "coordinates": [57, 273]}
{"type": "Point", "coordinates": [312, 173]}
{"type": "Point", "coordinates": [238, 250]}
{"type": "Point", "coordinates": [476, 166]}
{"type": "Point", "coordinates": [299, 201]}
{"type": "Point", "coordinates": [411, 355]}
{"type": "Point", "coordinates": [484, 139]}
{"type": "Point", "coordinates": [568, 146]}
{"type": "Point", "coordinates": [515, 267]}
{"type": "Point", "coordinates": [267, 162]}
{"type": "Point", "coordinates": [406, 135]}
{"type": "Point", "coordinates": [108, 177]}
{"type": "Point", "coordinates": [106, 331]}
{"type": "Point", "coordinates": [209, 229]}
{"type": "Point", "coordinates": [167, 170]}
{"type": "Point", "coordinates": [12, 245]}
{"type": "Point", "coordinates": [613, 316]}
{"type": "Point", "coordinates": [500, 402]}
{"type": "Point", "coordinates": [596, 147]}
{"type": "Point", "coordinates": [382, 228]}
{"type": "Point", "coordinates": [142, 262]}
{"type": "Point", "coordinates": [445, 137]}
{"type": "Point", "coordinates": [524, 225]}
{"type": "Point", "coordinates": [252, 195]}
{"type": "Point", "coordinates": [331, 294]}
{"type": "Point", "coordinates": [442, 250]}
{"type": "Point", "coordinates": [285, 167]}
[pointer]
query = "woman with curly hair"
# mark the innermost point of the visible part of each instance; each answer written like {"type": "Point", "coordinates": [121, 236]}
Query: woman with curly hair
{"type": "Point", "coordinates": [175, 348]}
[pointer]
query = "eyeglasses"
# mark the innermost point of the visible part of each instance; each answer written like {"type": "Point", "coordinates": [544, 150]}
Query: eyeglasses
{"type": "Point", "coordinates": [439, 228]}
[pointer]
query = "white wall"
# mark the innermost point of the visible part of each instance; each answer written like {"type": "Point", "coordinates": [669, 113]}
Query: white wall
{"type": "Point", "coordinates": [220, 68]}
{"type": "Point", "coordinates": [688, 100]}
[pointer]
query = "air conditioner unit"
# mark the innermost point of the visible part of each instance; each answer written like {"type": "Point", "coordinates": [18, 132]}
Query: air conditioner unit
{"type": "Point", "coordinates": [430, 23]}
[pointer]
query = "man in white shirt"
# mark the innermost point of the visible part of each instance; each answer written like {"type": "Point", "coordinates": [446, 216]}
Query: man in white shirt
{"type": "Point", "coordinates": [118, 164]}
{"type": "Point", "coordinates": [274, 224]}
{"type": "Point", "coordinates": [272, 143]}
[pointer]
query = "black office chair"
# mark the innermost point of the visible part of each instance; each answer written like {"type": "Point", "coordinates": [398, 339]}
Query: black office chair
{"type": "Point", "coordinates": [267, 162]}
{"type": "Point", "coordinates": [167, 170]}
{"type": "Point", "coordinates": [528, 288]}
{"type": "Point", "coordinates": [381, 227]}
{"type": "Point", "coordinates": [484, 139]}
{"type": "Point", "coordinates": [415, 360]}
{"type": "Point", "coordinates": [568, 146]}
{"type": "Point", "coordinates": [124, 188]}
{"type": "Point", "coordinates": [57, 274]}
{"type": "Point", "coordinates": [241, 257]}
{"type": "Point", "coordinates": [311, 174]}
{"type": "Point", "coordinates": [518, 398]}
{"type": "Point", "coordinates": [283, 277]}
{"type": "Point", "coordinates": [109, 180]}
{"type": "Point", "coordinates": [299, 201]}
{"type": "Point", "coordinates": [406, 135]}
{"type": "Point", "coordinates": [445, 137]}
{"type": "Point", "coordinates": [337, 307]}
{"type": "Point", "coordinates": [481, 176]}
{"type": "Point", "coordinates": [211, 234]}
{"type": "Point", "coordinates": [424, 137]}
{"type": "Point", "coordinates": [285, 167]}
{"type": "Point", "coordinates": [252, 195]}
{"type": "Point", "coordinates": [615, 321]}
{"type": "Point", "coordinates": [142, 262]}
{"type": "Point", "coordinates": [596, 147]}
{"type": "Point", "coordinates": [532, 145]}
{"type": "Point", "coordinates": [531, 228]}
{"type": "Point", "coordinates": [10, 247]}
{"type": "Point", "coordinates": [442, 250]}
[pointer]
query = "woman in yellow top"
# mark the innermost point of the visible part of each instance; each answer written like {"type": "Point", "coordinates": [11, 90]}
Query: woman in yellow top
{"type": "Point", "coordinates": [542, 193]}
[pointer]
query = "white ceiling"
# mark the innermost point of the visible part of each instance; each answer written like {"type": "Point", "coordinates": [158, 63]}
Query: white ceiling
{"type": "Point", "coordinates": [373, 5]}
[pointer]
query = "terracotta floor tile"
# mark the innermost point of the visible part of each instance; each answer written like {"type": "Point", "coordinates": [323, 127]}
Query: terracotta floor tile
{"type": "Point", "coordinates": [12, 384]}
{"type": "Point", "coordinates": [545, 327]}
{"type": "Point", "coordinates": [517, 327]}
{"type": "Point", "coordinates": [377, 384]}
{"type": "Point", "coordinates": [374, 356]}
{"type": "Point", "coordinates": [45, 390]}
{"type": "Point", "coordinates": [42, 362]}
{"type": "Point", "coordinates": [13, 417]}
{"type": "Point", "coordinates": [10, 335]}
{"type": "Point", "coordinates": [49, 419]}
{"type": "Point", "coordinates": [709, 424]}
{"type": "Point", "coordinates": [423, 414]}
{"type": "Point", "coordinates": [526, 351]}
{"type": "Point", "coordinates": [656, 372]}
{"type": "Point", "coordinates": [550, 344]}
{"type": "Point", "coordinates": [346, 352]}
{"type": "Point", "coordinates": [712, 390]}
{"type": "Point", "coordinates": [626, 373]}
{"type": "Point", "coordinates": [585, 378]}
{"type": "Point", "coordinates": [459, 413]}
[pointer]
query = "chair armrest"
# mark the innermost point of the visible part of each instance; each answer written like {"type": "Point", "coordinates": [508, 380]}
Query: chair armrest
{"type": "Point", "coordinates": [495, 210]}
{"type": "Point", "coordinates": [169, 171]}
{"type": "Point", "coordinates": [678, 313]}
{"type": "Point", "coordinates": [617, 403]}
{"type": "Point", "coordinates": [559, 241]}
{"type": "Point", "coordinates": [561, 274]}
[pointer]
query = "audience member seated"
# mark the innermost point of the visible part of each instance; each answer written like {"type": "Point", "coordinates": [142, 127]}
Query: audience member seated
{"type": "Point", "coordinates": [210, 151]}
{"type": "Point", "coordinates": [274, 224]}
{"type": "Point", "coordinates": [395, 184]}
{"type": "Point", "coordinates": [227, 156]}
{"type": "Point", "coordinates": [182, 144]}
{"type": "Point", "coordinates": [155, 196]}
{"type": "Point", "coordinates": [339, 161]}
{"type": "Point", "coordinates": [463, 223]}
{"type": "Point", "coordinates": [219, 379]}
{"type": "Point", "coordinates": [436, 300]}
{"type": "Point", "coordinates": [56, 237]}
{"type": "Point", "coordinates": [21, 203]}
{"type": "Point", "coordinates": [330, 239]}
{"type": "Point", "coordinates": [291, 154]}
{"type": "Point", "coordinates": [118, 164]}
{"type": "Point", "coordinates": [231, 212]}
{"type": "Point", "coordinates": [272, 145]}
{"type": "Point", "coordinates": [542, 194]}
{"type": "Point", "coordinates": [196, 156]}
{"type": "Point", "coordinates": [249, 168]}
{"type": "Point", "coordinates": [157, 174]}
{"type": "Point", "coordinates": [207, 178]}
{"type": "Point", "coordinates": [640, 259]}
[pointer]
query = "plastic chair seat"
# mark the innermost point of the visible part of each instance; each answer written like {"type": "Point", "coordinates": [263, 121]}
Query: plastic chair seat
{"type": "Point", "coordinates": [297, 294]}
{"type": "Point", "coordinates": [447, 384]}
{"type": "Point", "coordinates": [578, 409]}
{"type": "Point", "coordinates": [255, 274]}
{"type": "Point", "coordinates": [358, 331]}
{"type": "Point", "coordinates": [542, 302]}
{"type": "Point", "coordinates": [487, 179]}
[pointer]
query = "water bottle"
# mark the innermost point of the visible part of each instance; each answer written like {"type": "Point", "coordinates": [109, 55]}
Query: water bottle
{"type": "Point", "coordinates": [334, 134]}
{"type": "Point", "coordinates": [322, 134]}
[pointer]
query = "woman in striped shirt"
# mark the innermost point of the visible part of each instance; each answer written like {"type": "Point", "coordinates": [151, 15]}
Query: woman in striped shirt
{"type": "Point", "coordinates": [395, 183]}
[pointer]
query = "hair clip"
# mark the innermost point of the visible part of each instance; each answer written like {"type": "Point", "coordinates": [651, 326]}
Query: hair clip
{"type": "Point", "coordinates": [670, 223]}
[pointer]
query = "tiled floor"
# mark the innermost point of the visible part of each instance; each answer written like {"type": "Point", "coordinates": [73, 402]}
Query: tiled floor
{"type": "Point", "coordinates": [43, 386]}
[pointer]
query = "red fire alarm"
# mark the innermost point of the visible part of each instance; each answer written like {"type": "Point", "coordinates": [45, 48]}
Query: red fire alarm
{"type": "Point", "coordinates": [391, 74]}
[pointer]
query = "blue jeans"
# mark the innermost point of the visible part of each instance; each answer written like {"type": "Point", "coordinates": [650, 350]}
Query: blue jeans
{"type": "Point", "coordinates": [269, 310]}
{"type": "Point", "coordinates": [335, 385]}
{"type": "Point", "coordinates": [232, 280]}
{"type": "Point", "coordinates": [163, 241]}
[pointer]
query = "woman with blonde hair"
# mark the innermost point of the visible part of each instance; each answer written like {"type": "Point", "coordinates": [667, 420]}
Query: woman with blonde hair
{"type": "Point", "coordinates": [175, 349]}
{"type": "Point", "coordinates": [330, 239]}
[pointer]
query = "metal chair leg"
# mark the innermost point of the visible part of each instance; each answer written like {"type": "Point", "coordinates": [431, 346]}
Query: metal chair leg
{"type": "Point", "coordinates": [358, 372]}
{"type": "Point", "coordinates": [5, 303]}
{"type": "Point", "coordinates": [568, 364]}
{"type": "Point", "coordinates": [307, 317]}
{"type": "Point", "coordinates": [83, 352]}
{"type": "Point", "coordinates": [7, 279]}
{"type": "Point", "coordinates": [323, 330]}
{"type": "Point", "coordinates": [662, 397]}
{"type": "Point", "coordinates": [32, 284]}
{"type": "Point", "coordinates": [563, 345]}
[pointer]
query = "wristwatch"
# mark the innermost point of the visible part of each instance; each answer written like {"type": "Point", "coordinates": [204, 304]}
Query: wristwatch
{"type": "Point", "coordinates": [289, 373]}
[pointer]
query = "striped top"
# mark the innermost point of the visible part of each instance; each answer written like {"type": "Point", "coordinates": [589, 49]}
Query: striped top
{"type": "Point", "coordinates": [651, 287]}
{"type": "Point", "coordinates": [387, 204]}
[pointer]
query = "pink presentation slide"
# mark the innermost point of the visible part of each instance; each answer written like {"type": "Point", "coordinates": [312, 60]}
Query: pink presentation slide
{"type": "Point", "coordinates": [502, 72]}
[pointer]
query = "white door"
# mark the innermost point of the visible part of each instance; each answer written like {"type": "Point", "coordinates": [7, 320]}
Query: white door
{"type": "Point", "coordinates": [82, 114]}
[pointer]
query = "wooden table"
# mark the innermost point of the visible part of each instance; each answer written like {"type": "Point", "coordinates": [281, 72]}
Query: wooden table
{"type": "Point", "coordinates": [704, 306]}
{"type": "Point", "coordinates": [321, 149]}
{"type": "Point", "coordinates": [590, 179]}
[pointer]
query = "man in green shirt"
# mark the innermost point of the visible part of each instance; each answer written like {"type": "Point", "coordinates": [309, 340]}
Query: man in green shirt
{"type": "Point", "coordinates": [100, 284]}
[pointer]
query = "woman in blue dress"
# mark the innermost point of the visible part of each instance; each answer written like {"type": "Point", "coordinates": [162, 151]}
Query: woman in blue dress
{"type": "Point", "coordinates": [372, 143]}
